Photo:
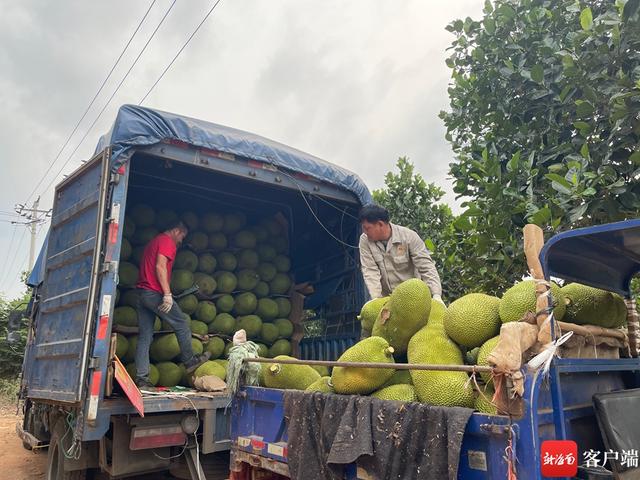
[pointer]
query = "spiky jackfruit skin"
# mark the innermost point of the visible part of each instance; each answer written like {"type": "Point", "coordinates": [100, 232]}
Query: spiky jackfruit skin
{"type": "Point", "coordinates": [400, 392]}
{"type": "Point", "coordinates": [592, 306]}
{"type": "Point", "coordinates": [483, 401]}
{"type": "Point", "coordinates": [398, 378]}
{"type": "Point", "coordinates": [521, 298]}
{"type": "Point", "coordinates": [361, 380]}
{"type": "Point", "coordinates": [436, 316]}
{"type": "Point", "coordinates": [473, 319]}
{"type": "Point", "coordinates": [323, 384]}
{"type": "Point", "coordinates": [322, 370]}
{"type": "Point", "coordinates": [406, 312]}
{"type": "Point", "coordinates": [431, 346]}
{"type": "Point", "coordinates": [289, 377]}
{"type": "Point", "coordinates": [370, 312]}
{"type": "Point", "coordinates": [483, 354]}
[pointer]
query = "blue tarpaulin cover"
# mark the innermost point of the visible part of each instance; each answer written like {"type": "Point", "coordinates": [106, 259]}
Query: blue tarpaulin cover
{"type": "Point", "coordinates": [139, 126]}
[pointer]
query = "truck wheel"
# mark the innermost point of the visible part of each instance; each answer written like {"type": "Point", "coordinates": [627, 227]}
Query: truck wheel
{"type": "Point", "coordinates": [55, 458]}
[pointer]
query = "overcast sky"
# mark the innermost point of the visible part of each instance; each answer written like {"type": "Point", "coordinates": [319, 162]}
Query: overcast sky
{"type": "Point", "coordinates": [358, 83]}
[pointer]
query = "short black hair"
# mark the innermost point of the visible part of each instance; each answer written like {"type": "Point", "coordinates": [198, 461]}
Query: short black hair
{"type": "Point", "coordinates": [373, 213]}
{"type": "Point", "coordinates": [177, 223]}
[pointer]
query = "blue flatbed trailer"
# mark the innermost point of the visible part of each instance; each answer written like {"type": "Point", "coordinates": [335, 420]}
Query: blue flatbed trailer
{"type": "Point", "coordinates": [167, 161]}
{"type": "Point", "coordinates": [560, 407]}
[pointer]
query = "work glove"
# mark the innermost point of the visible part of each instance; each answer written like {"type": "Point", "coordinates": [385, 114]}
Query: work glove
{"type": "Point", "coordinates": [167, 303]}
{"type": "Point", "coordinates": [438, 298]}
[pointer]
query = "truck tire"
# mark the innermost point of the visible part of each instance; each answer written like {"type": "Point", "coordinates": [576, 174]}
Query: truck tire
{"type": "Point", "coordinates": [55, 458]}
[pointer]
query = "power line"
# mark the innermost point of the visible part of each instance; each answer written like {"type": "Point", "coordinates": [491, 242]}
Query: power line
{"type": "Point", "coordinates": [6, 258]}
{"type": "Point", "coordinates": [6, 275]}
{"type": "Point", "coordinates": [111, 97]}
{"type": "Point", "coordinates": [104, 82]}
{"type": "Point", "coordinates": [180, 51]}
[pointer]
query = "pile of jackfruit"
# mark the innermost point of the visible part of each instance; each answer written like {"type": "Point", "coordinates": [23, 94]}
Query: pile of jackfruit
{"type": "Point", "coordinates": [242, 270]}
{"type": "Point", "coordinates": [410, 327]}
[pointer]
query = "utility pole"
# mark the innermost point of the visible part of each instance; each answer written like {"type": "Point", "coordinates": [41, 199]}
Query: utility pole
{"type": "Point", "coordinates": [34, 217]}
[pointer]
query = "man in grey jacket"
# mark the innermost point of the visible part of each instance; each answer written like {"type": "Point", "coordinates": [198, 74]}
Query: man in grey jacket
{"type": "Point", "coordinates": [391, 254]}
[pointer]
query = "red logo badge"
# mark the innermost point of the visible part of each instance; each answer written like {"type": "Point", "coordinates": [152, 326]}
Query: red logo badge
{"type": "Point", "coordinates": [559, 458]}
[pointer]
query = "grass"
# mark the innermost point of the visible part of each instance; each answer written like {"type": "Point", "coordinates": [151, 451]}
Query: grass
{"type": "Point", "coordinates": [9, 390]}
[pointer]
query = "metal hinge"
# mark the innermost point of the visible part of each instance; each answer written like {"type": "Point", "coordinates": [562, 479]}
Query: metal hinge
{"type": "Point", "coordinates": [115, 178]}
{"type": "Point", "coordinates": [94, 363]}
{"type": "Point", "coordinates": [109, 267]}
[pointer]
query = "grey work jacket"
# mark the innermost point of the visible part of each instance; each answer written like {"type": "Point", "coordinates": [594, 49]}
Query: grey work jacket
{"type": "Point", "coordinates": [404, 257]}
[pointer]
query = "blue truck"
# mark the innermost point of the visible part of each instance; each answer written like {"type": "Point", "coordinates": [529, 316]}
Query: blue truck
{"type": "Point", "coordinates": [172, 161]}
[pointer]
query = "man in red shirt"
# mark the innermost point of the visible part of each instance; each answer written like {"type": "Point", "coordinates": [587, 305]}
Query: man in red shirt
{"type": "Point", "coordinates": [155, 298]}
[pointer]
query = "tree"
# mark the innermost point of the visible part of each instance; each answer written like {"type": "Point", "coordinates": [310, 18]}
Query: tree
{"type": "Point", "coordinates": [544, 122]}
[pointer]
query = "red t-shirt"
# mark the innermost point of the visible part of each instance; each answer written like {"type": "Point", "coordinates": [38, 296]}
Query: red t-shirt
{"type": "Point", "coordinates": [161, 245]}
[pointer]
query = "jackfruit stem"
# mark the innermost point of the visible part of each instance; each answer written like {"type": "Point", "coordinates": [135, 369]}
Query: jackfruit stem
{"type": "Point", "coordinates": [275, 368]}
{"type": "Point", "coordinates": [389, 351]}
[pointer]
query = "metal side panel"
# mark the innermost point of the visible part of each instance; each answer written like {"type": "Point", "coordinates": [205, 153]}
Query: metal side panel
{"type": "Point", "coordinates": [62, 328]}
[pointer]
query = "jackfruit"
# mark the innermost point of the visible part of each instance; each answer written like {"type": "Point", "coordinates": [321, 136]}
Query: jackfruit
{"type": "Point", "coordinates": [198, 241]}
{"type": "Point", "coordinates": [247, 280]}
{"type": "Point", "coordinates": [322, 370]}
{"type": "Point", "coordinates": [521, 298]}
{"type": "Point", "coordinates": [227, 261]}
{"type": "Point", "coordinates": [186, 260]}
{"type": "Point", "coordinates": [125, 249]}
{"type": "Point", "coordinates": [245, 303]}
{"type": "Point", "coordinates": [244, 239]}
{"type": "Point", "coordinates": [483, 354]}
{"type": "Point", "coordinates": [267, 271]}
{"type": "Point", "coordinates": [154, 374]}
{"type": "Point", "coordinates": [471, 357]}
{"type": "Point", "coordinates": [117, 296]}
{"type": "Point", "coordinates": [224, 324]}
{"type": "Point", "coordinates": [127, 274]}
{"type": "Point", "coordinates": [144, 235]}
{"type": "Point", "coordinates": [130, 356]}
{"type": "Point", "coordinates": [484, 403]}
{"type": "Point", "coordinates": [170, 374]}
{"type": "Point", "coordinates": [198, 327]}
{"type": "Point", "coordinates": [282, 263]}
{"type": "Point", "coordinates": [122, 344]}
{"type": "Point", "coordinates": [129, 227]}
{"type": "Point", "coordinates": [212, 222]}
{"type": "Point", "coordinates": [269, 333]}
{"type": "Point", "coordinates": [280, 244]}
{"type": "Point", "coordinates": [196, 346]}
{"type": "Point", "coordinates": [284, 307]}
{"type": "Point", "coordinates": [252, 324]}
{"type": "Point", "coordinates": [406, 312]}
{"type": "Point", "coordinates": [592, 306]}
{"type": "Point", "coordinates": [234, 222]}
{"type": "Point", "coordinates": [290, 377]}
{"type": "Point", "coordinates": [225, 303]}
{"type": "Point", "coordinates": [261, 290]}
{"type": "Point", "coordinates": [430, 346]}
{"type": "Point", "coordinates": [473, 319]}
{"type": "Point", "coordinates": [188, 304]}
{"type": "Point", "coordinates": [181, 280]}
{"type": "Point", "coordinates": [227, 282]}
{"type": "Point", "coordinates": [266, 252]}
{"type": "Point", "coordinates": [399, 377]}
{"type": "Point", "coordinates": [190, 219]}
{"type": "Point", "coordinates": [164, 348]}
{"type": "Point", "coordinates": [280, 347]}
{"type": "Point", "coordinates": [143, 215]}
{"type": "Point", "coordinates": [248, 259]}
{"type": "Point", "coordinates": [206, 311]}
{"type": "Point", "coordinates": [136, 255]}
{"type": "Point", "coordinates": [370, 312]}
{"type": "Point", "coordinates": [323, 384]}
{"type": "Point", "coordinates": [211, 368]}
{"type": "Point", "coordinates": [206, 263]}
{"type": "Point", "coordinates": [217, 241]}
{"type": "Point", "coordinates": [273, 226]}
{"type": "Point", "coordinates": [400, 392]}
{"type": "Point", "coordinates": [206, 283]}
{"type": "Point", "coordinates": [215, 347]}
{"type": "Point", "coordinates": [261, 233]}
{"type": "Point", "coordinates": [285, 327]}
{"type": "Point", "coordinates": [359, 380]}
{"type": "Point", "coordinates": [280, 284]}
{"type": "Point", "coordinates": [267, 309]}
{"type": "Point", "coordinates": [263, 350]}
{"type": "Point", "coordinates": [436, 316]}
{"type": "Point", "coordinates": [227, 349]}
{"type": "Point", "coordinates": [165, 218]}
{"type": "Point", "coordinates": [130, 298]}
{"type": "Point", "coordinates": [125, 316]}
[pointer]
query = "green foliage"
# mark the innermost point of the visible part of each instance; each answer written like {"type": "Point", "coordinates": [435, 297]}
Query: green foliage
{"type": "Point", "coordinates": [11, 354]}
{"type": "Point", "coordinates": [544, 123]}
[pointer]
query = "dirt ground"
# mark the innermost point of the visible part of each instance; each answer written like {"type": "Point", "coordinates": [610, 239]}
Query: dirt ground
{"type": "Point", "coordinates": [16, 463]}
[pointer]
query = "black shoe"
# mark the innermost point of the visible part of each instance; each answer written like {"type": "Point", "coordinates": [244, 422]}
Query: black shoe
{"type": "Point", "coordinates": [145, 386]}
{"type": "Point", "coordinates": [196, 361]}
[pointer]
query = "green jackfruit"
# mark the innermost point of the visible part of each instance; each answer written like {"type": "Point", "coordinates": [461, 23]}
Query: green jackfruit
{"type": "Point", "coordinates": [263, 350]}
{"type": "Point", "coordinates": [227, 282]}
{"type": "Point", "coordinates": [244, 239]}
{"type": "Point", "coordinates": [282, 263]}
{"type": "Point", "coordinates": [269, 333]}
{"type": "Point", "coordinates": [127, 274]}
{"type": "Point", "coordinates": [211, 368]}
{"type": "Point", "coordinates": [217, 241]}
{"type": "Point", "coordinates": [144, 235]}
{"type": "Point", "coordinates": [197, 346]}
{"type": "Point", "coordinates": [285, 327]}
{"type": "Point", "coordinates": [215, 347]}
{"type": "Point", "coordinates": [484, 403]}
{"type": "Point", "coordinates": [154, 374]}
{"type": "Point", "coordinates": [261, 233]}
{"type": "Point", "coordinates": [406, 312]}
{"type": "Point", "coordinates": [129, 228]}
{"type": "Point", "coordinates": [212, 222]}
{"type": "Point", "coordinates": [164, 348]}
{"type": "Point", "coordinates": [280, 284]}
{"type": "Point", "coordinates": [280, 243]}
{"type": "Point", "coordinates": [190, 219]}
{"type": "Point", "coordinates": [225, 303]}
{"type": "Point", "coordinates": [186, 260]}
{"type": "Point", "coordinates": [248, 259]}
{"type": "Point", "coordinates": [290, 377]}
{"type": "Point", "coordinates": [207, 263]}
{"type": "Point", "coordinates": [247, 280]}
{"type": "Point", "coordinates": [359, 380]}
{"type": "Point", "coordinates": [188, 304]}
{"type": "Point", "coordinates": [261, 290]}
{"type": "Point", "coordinates": [136, 255]}
{"type": "Point", "coordinates": [266, 253]}
{"type": "Point", "coordinates": [399, 377]}
{"type": "Point", "coordinates": [125, 316]}
{"type": "Point", "coordinates": [122, 344]}
{"type": "Point", "coordinates": [471, 357]}
{"type": "Point", "coordinates": [227, 349]}
{"type": "Point", "coordinates": [165, 218]}
{"type": "Point", "coordinates": [483, 354]}
{"type": "Point", "coordinates": [206, 311]}
{"type": "Point", "coordinates": [273, 227]}
{"type": "Point", "coordinates": [143, 215]}
{"type": "Point", "coordinates": [130, 298]}
{"type": "Point", "coordinates": [252, 324]}
{"type": "Point", "coordinates": [267, 271]}
{"type": "Point", "coordinates": [473, 319]}
{"type": "Point", "coordinates": [170, 374]}
{"type": "Point", "coordinates": [322, 370]}
{"type": "Point", "coordinates": [267, 309]}
{"type": "Point", "coordinates": [198, 241]}
{"type": "Point", "coordinates": [199, 328]}
{"type": "Point", "coordinates": [521, 298]}
{"type": "Point", "coordinates": [323, 384]}
{"type": "Point", "coordinates": [280, 347]}
{"type": "Point", "coordinates": [436, 316]}
{"type": "Point", "coordinates": [206, 283]}
{"type": "Point", "coordinates": [125, 249]}
{"type": "Point", "coordinates": [400, 392]}
{"type": "Point", "coordinates": [224, 324]}
{"type": "Point", "coordinates": [234, 222]}
{"type": "Point", "coordinates": [130, 356]}
{"type": "Point", "coordinates": [181, 280]}
{"type": "Point", "coordinates": [245, 303]}
{"type": "Point", "coordinates": [592, 306]}
{"type": "Point", "coordinates": [284, 307]}
{"type": "Point", "coordinates": [370, 312]}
